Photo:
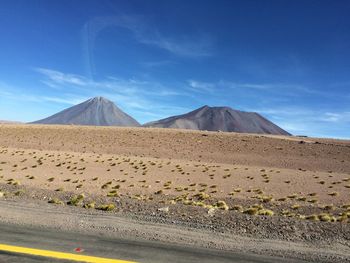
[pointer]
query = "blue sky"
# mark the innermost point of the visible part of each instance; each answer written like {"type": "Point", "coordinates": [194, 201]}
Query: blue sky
{"type": "Point", "coordinates": [288, 60]}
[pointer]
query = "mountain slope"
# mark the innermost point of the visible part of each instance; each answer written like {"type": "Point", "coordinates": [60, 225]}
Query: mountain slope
{"type": "Point", "coordinates": [220, 118]}
{"type": "Point", "coordinates": [97, 111]}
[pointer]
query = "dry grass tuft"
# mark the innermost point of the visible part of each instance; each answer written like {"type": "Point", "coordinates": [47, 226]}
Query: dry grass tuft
{"type": "Point", "coordinates": [237, 208]}
{"type": "Point", "coordinates": [76, 200]}
{"type": "Point", "coordinates": [333, 194]}
{"type": "Point", "coordinates": [106, 207]}
{"type": "Point", "coordinates": [89, 205]}
{"type": "Point", "coordinates": [312, 217]}
{"type": "Point", "coordinates": [221, 205]}
{"type": "Point", "coordinates": [251, 211]}
{"type": "Point", "coordinates": [202, 196]}
{"type": "Point", "coordinates": [265, 212]}
{"type": "Point", "coordinates": [295, 207]}
{"type": "Point", "coordinates": [55, 201]}
{"type": "Point", "coordinates": [326, 217]}
{"type": "Point", "coordinates": [112, 193]}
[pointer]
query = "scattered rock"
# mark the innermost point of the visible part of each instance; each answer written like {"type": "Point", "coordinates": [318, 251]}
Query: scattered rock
{"type": "Point", "coordinates": [164, 209]}
{"type": "Point", "coordinates": [211, 211]}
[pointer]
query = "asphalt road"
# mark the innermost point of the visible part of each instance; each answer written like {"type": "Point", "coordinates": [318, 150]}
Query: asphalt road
{"type": "Point", "coordinates": [99, 246]}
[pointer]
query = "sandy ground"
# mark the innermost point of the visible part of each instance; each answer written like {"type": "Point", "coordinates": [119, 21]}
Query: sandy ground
{"type": "Point", "coordinates": [250, 184]}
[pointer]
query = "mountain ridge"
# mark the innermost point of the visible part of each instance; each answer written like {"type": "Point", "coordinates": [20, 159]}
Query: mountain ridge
{"type": "Point", "coordinates": [99, 111]}
{"type": "Point", "coordinates": [220, 119]}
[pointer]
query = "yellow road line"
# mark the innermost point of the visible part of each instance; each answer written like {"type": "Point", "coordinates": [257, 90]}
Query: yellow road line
{"type": "Point", "coordinates": [59, 255]}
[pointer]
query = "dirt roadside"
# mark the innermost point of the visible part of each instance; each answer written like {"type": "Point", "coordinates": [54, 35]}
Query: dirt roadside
{"type": "Point", "coordinates": [156, 227]}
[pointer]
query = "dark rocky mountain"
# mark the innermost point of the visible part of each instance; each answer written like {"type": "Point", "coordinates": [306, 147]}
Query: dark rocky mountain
{"type": "Point", "coordinates": [97, 111]}
{"type": "Point", "coordinates": [220, 119]}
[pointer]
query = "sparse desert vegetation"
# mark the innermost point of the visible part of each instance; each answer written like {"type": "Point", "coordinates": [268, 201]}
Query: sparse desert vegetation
{"type": "Point", "coordinates": [270, 179]}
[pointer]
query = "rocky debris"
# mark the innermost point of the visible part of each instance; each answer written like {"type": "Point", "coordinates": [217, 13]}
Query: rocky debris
{"type": "Point", "coordinates": [211, 211]}
{"type": "Point", "coordinates": [164, 209]}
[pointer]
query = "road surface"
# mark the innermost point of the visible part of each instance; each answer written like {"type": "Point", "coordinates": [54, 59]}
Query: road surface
{"type": "Point", "coordinates": [102, 247]}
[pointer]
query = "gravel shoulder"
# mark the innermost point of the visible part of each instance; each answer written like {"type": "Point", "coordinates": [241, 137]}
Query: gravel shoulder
{"type": "Point", "coordinates": [248, 237]}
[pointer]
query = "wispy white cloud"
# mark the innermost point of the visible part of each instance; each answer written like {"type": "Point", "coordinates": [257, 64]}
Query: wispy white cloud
{"type": "Point", "coordinates": [148, 100]}
{"type": "Point", "coordinates": [297, 112]}
{"type": "Point", "coordinates": [5, 93]}
{"type": "Point", "coordinates": [277, 90]}
{"type": "Point", "coordinates": [187, 47]}
{"type": "Point", "coordinates": [163, 111]}
{"type": "Point", "coordinates": [62, 78]}
{"type": "Point", "coordinates": [153, 64]}
{"type": "Point", "coordinates": [308, 121]}
{"type": "Point", "coordinates": [68, 101]}
{"type": "Point", "coordinates": [142, 104]}
{"type": "Point", "coordinates": [226, 84]}
{"type": "Point", "coordinates": [336, 117]}
{"type": "Point", "coordinates": [201, 86]}
{"type": "Point", "coordinates": [19, 94]}
{"type": "Point", "coordinates": [294, 118]}
{"type": "Point", "coordinates": [140, 98]}
{"type": "Point", "coordinates": [308, 115]}
{"type": "Point", "coordinates": [129, 87]}
{"type": "Point", "coordinates": [146, 33]}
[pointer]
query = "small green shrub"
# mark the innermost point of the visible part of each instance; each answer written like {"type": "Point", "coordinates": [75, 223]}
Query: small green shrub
{"type": "Point", "coordinates": [76, 200]}
{"type": "Point", "coordinates": [113, 193]}
{"type": "Point", "coordinates": [55, 201]}
{"type": "Point", "coordinates": [89, 205]}
{"type": "Point", "coordinates": [106, 207]}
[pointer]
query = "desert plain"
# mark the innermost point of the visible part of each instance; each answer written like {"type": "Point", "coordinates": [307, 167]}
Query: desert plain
{"type": "Point", "coordinates": [259, 186]}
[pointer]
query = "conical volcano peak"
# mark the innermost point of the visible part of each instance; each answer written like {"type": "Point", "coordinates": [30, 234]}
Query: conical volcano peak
{"type": "Point", "coordinates": [205, 107]}
{"type": "Point", "coordinates": [97, 111]}
{"type": "Point", "coordinates": [100, 99]}
{"type": "Point", "coordinates": [220, 119]}
{"type": "Point", "coordinates": [215, 108]}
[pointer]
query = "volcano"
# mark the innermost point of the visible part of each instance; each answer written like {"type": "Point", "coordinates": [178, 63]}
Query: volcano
{"type": "Point", "coordinates": [96, 111]}
{"type": "Point", "coordinates": [220, 119]}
